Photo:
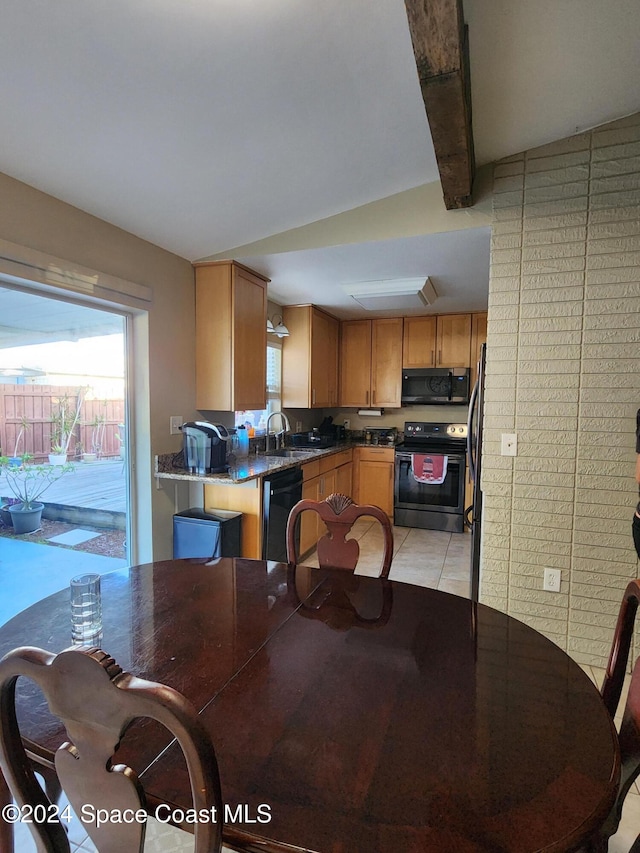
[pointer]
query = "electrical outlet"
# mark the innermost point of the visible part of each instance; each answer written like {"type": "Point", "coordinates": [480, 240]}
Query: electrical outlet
{"type": "Point", "coordinates": [509, 444]}
{"type": "Point", "coordinates": [298, 426]}
{"type": "Point", "coordinates": [552, 580]}
{"type": "Point", "coordinates": [175, 422]}
{"type": "Point", "coordinates": [346, 423]}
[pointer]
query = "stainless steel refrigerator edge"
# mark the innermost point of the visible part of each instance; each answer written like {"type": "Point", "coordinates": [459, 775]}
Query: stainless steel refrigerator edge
{"type": "Point", "coordinates": [474, 461]}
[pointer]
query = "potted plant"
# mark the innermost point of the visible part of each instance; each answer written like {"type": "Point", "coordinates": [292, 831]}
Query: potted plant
{"type": "Point", "coordinates": [28, 482]}
{"type": "Point", "coordinates": [5, 515]}
{"type": "Point", "coordinates": [63, 423]}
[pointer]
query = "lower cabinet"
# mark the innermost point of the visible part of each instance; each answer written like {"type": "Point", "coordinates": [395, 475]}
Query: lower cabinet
{"type": "Point", "coordinates": [373, 470]}
{"type": "Point", "coordinates": [322, 477]}
{"type": "Point", "coordinates": [247, 499]}
{"type": "Point", "coordinates": [344, 480]}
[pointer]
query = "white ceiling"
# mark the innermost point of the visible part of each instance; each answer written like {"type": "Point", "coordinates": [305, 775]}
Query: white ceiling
{"type": "Point", "coordinates": [457, 264]}
{"type": "Point", "coordinates": [206, 125]}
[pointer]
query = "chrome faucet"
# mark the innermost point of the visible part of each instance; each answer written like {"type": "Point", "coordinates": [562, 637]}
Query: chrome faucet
{"type": "Point", "coordinates": [278, 436]}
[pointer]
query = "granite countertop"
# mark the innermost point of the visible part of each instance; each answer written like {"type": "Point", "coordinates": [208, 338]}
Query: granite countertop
{"type": "Point", "coordinates": [250, 468]}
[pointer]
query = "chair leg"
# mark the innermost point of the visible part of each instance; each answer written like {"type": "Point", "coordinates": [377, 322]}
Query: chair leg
{"type": "Point", "coordinates": [6, 828]}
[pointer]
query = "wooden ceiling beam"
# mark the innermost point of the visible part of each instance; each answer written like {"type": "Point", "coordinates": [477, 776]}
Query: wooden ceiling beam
{"type": "Point", "coordinates": [441, 48]}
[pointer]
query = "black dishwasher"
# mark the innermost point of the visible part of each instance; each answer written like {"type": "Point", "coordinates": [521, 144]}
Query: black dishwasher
{"type": "Point", "coordinates": [282, 491]}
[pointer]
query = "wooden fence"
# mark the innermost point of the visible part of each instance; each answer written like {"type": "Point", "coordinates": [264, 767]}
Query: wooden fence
{"type": "Point", "coordinates": [35, 405]}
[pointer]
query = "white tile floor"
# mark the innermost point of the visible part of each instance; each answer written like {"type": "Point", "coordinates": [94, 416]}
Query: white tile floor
{"type": "Point", "coordinates": [430, 558]}
{"type": "Point", "coordinates": [422, 557]}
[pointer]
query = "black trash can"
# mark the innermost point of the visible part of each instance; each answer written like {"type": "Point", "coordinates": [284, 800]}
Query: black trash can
{"type": "Point", "coordinates": [214, 533]}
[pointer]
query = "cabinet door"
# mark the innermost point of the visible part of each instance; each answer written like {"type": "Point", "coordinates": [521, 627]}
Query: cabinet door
{"type": "Point", "coordinates": [386, 362]}
{"type": "Point", "coordinates": [419, 342]}
{"type": "Point", "coordinates": [231, 338]}
{"type": "Point", "coordinates": [355, 363]}
{"type": "Point", "coordinates": [375, 485]}
{"type": "Point", "coordinates": [454, 340]}
{"type": "Point", "coordinates": [326, 487]}
{"type": "Point", "coordinates": [309, 519]}
{"type": "Point", "coordinates": [324, 360]}
{"type": "Point", "coordinates": [344, 480]}
{"type": "Point", "coordinates": [249, 341]}
{"type": "Point", "coordinates": [478, 337]}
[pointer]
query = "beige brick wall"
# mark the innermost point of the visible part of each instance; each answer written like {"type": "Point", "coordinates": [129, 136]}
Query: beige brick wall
{"type": "Point", "coordinates": [563, 372]}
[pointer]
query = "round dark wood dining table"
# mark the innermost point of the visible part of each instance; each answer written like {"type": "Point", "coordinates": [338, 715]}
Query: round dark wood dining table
{"type": "Point", "coordinates": [349, 714]}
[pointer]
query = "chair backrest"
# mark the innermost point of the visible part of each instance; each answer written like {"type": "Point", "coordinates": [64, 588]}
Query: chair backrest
{"type": "Point", "coordinates": [339, 513]}
{"type": "Point", "coordinates": [629, 735]}
{"type": "Point", "coordinates": [619, 655]}
{"type": "Point", "coordinates": [87, 690]}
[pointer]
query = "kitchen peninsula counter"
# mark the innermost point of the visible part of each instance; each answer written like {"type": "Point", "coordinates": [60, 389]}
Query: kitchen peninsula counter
{"type": "Point", "coordinates": [321, 474]}
{"type": "Point", "coordinates": [251, 467]}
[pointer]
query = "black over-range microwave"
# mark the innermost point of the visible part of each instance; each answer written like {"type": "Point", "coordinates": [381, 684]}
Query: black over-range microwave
{"type": "Point", "coordinates": [435, 385]}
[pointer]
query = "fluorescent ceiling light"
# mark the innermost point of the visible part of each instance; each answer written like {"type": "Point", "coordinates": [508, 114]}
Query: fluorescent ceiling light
{"type": "Point", "coordinates": [392, 294]}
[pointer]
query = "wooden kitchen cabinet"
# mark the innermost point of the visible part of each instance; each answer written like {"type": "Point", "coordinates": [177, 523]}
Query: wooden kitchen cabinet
{"type": "Point", "coordinates": [247, 499]}
{"type": "Point", "coordinates": [442, 340]}
{"type": "Point", "coordinates": [309, 358]}
{"type": "Point", "coordinates": [478, 337]}
{"type": "Point", "coordinates": [419, 342]}
{"type": "Point", "coordinates": [231, 337]}
{"type": "Point", "coordinates": [311, 526]}
{"type": "Point", "coordinates": [371, 363]}
{"type": "Point", "coordinates": [322, 477]}
{"type": "Point", "coordinates": [373, 475]}
{"type": "Point", "coordinates": [344, 480]}
{"type": "Point", "coordinates": [453, 340]}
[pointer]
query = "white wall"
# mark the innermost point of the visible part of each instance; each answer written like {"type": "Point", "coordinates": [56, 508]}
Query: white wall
{"type": "Point", "coordinates": [563, 372]}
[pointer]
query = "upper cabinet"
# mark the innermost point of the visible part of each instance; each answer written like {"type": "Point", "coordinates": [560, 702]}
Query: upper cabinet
{"type": "Point", "coordinates": [419, 343]}
{"type": "Point", "coordinates": [437, 341]}
{"type": "Point", "coordinates": [231, 337]}
{"type": "Point", "coordinates": [371, 362]}
{"type": "Point", "coordinates": [309, 358]}
{"type": "Point", "coordinates": [453, 340]}
{"type": "Point", "coordinates": [478, 337]}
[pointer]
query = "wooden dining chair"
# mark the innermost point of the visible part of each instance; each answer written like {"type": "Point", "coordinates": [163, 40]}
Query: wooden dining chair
{"type": "Point", "coordinates": [335, 551]}
{"type": "Point", "coordinates": [629, 734]}
{"type": "Point", "coordinates": [87, 690]}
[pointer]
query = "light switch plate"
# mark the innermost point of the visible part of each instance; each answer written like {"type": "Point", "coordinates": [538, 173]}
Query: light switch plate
{"type": "Point", "coordinates": [509, 444]}
{"type": "Point", "coordinates": [175, 422]}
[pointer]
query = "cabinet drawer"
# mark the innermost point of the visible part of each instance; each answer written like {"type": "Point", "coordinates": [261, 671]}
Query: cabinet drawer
{"type": "Point", "coordinates": [311, 469]}
{"type": "Point", "coordinates": [328, 463]}
{"type": "Point", "coordinates": [375, 454]}
{"type": "Point", "coordinates": [342, 458]}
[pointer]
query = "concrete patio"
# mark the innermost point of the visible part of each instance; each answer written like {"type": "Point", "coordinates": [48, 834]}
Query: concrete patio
{"type": "Point", "coordinates": [30, 571]}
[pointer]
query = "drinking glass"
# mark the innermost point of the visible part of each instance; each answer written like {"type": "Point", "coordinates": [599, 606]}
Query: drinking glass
{"type": "Point", "coordinates": [86, 609]}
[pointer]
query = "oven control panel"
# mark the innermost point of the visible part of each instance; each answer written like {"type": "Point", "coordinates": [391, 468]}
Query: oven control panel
{"type": "Point", "coordinates": [421, 429]}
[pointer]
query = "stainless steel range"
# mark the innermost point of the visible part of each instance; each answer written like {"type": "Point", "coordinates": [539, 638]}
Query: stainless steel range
{"type": "Point", "coordinates": [430, 467]}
